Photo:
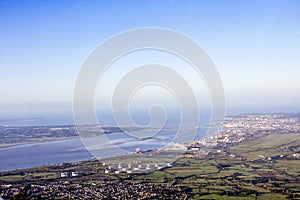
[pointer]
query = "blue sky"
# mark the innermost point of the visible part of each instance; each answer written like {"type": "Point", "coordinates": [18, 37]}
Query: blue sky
{"type": "Point", "coordinates": [255, 45]}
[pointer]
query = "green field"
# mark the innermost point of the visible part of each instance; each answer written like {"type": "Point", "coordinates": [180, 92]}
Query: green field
{"type": "Point", "coordinates": [271, 145]}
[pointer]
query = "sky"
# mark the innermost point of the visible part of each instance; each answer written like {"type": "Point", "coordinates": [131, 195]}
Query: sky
{"type": "Point", "coordinates": [255, 45]}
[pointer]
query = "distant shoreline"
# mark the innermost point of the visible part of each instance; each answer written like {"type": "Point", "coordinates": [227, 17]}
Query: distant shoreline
{"type": "Point", "coordinates": [39, 140]}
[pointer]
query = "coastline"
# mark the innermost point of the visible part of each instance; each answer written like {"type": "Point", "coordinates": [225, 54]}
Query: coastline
{"type": "Point", "coordinates": [36, 141]}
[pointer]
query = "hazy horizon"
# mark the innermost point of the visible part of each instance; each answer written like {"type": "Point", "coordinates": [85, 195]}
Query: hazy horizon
{"type": "Point", "coordinates": [255, 47]}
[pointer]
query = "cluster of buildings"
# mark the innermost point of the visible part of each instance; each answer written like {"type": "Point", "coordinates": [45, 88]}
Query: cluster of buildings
{"type": "Point", "coordinates": [283, 123]}
{"type": "Point", "coordinates": [95, 190]}
{"type": "Point", "coordinates": [237, 128]}
{"type": "Point", "coordinates": [135, 168]}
